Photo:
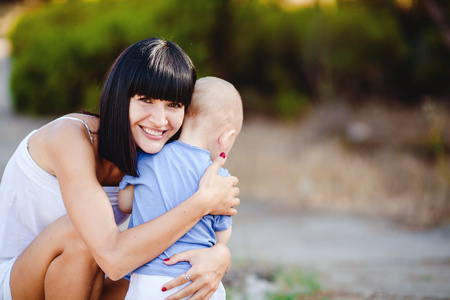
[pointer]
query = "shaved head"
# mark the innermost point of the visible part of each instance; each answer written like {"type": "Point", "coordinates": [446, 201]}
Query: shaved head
{"type": "Point", "coordinates": [218, 101]}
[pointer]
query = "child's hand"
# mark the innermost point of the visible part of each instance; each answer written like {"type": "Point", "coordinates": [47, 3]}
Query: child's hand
{"type": "Point", "coordinates": [220, 193]}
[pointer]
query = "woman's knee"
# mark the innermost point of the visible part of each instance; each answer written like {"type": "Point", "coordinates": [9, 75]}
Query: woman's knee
{"type": "Point", "coordinates": [73, 244]}
{"type": "Point", "coordinates": [74, 271]}
{"type": "Point", "coordinates": [58, 249]}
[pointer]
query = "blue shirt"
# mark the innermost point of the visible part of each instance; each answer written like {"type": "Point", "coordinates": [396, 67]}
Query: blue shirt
{"type": "Point", "coordinates": [165, 180]}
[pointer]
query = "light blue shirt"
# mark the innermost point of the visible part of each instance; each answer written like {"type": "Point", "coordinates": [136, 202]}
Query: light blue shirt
{"type": "Point", "coordinates": [165, 180]}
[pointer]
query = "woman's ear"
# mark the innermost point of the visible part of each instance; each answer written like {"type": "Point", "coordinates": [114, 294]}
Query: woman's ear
{"type": "Point", "coordinates": [224, 138]}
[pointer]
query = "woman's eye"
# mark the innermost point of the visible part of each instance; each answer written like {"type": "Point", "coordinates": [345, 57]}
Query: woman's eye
{"type": "Point", "coordinates": [145, 100]}
{"type": "Point", "coordinates": [176, 105]}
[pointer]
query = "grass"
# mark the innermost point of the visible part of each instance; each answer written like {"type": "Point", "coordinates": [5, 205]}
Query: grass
{"type": "Point", "coordinates": [294, 284]}
{"type": "Point", "coordinates": [253, 280]}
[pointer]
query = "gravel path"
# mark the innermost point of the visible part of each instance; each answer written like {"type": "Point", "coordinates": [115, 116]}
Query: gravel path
{"type": "Point", "coordinates": [362, 257]}
{"type": "Point", "coordinates": [372, 258]}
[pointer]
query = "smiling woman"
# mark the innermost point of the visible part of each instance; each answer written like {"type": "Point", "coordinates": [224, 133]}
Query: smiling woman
{"type": "Point", "coordinates": [64, 222]}
{"type": "Point", "coordinates": [144, 71]}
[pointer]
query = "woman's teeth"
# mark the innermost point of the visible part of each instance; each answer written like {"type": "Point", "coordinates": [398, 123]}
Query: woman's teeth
{"type": "Point", "coordinates": [152, 132]}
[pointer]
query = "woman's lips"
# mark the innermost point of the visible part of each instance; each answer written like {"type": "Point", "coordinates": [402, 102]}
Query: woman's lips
{"type": "Point", "coordinates": [152, 133]}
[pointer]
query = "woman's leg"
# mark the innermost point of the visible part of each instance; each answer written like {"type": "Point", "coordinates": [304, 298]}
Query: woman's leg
{"type": "Point", "coordinates": [115, 290]}
{"type": "Point", "coordinates": [56, 265]}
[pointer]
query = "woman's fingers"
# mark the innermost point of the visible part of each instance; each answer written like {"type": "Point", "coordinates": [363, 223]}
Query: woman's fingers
{"type": "Point", "coordinates": [176, 258]}
{"type": "Point", "coordinates": [216, 165]}
{"type": "Point", "coordinates": [232, 211]}
{"type": "Point", "coordinates": [199, 289]}
{"type": "Point", "coordinates": [207, 296]}
{"type": "Point", "coordinates": [188, 290]}
{"type": "Point", "coordinates": [234, 180]}
{"type": "Point", "coordinates": [208, 267]}
{"type": "Point", "coordinates": [220, 192]}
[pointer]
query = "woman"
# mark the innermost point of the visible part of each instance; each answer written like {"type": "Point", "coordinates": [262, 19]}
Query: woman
{"type": "Point", "coordinates": [58, 230]}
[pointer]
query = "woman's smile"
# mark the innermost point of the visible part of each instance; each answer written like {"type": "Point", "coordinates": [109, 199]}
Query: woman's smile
{"type": "Point", "coordinates": [153, 133]}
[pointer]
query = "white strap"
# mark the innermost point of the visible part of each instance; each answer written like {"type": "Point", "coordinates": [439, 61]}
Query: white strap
{"type": "Point", "coordinates": [87, 127]}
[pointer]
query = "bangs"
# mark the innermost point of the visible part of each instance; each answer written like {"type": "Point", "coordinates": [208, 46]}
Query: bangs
{"type": "Point", "coordinates": [165, 76]}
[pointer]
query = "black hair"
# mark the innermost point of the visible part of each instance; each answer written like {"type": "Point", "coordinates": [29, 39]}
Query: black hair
{"type": "Point", "coordinates": [155, 68]}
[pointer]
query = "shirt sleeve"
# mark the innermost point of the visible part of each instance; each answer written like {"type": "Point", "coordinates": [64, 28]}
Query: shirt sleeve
{"type": "Point", "coordinates": [223, 172]}
{"type": "Point", "coordinates": [127, 180]}
{"type": "Point", "coordinates": [222, 223]}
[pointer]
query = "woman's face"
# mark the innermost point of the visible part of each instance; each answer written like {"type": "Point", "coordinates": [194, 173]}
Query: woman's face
{"type": "Point", "coordinates": [154, 122]}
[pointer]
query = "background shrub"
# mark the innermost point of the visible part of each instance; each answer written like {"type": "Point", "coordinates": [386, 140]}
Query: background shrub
{"type": "Point", "coordinates": [62, 51]}
{"type": "Point", "coordinates": [280, 59]}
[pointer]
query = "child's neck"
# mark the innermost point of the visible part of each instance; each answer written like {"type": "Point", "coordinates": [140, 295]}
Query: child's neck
{"type": "Point", "coordinates": [194, 138]}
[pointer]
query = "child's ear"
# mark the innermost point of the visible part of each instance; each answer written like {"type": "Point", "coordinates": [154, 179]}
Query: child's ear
{"type": "Point", "coordinates": [225, 137]}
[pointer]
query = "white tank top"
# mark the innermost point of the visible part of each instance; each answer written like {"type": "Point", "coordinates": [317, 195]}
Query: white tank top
{"type": "Point", "coordinates": [30, 200]}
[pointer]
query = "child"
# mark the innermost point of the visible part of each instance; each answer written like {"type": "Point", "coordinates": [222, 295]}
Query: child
{"type": "Point", "coordinates": [212, 122]}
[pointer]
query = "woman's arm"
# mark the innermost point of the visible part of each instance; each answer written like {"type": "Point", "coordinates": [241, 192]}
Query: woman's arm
{"type": "Point", "coordinates": [118, 253]}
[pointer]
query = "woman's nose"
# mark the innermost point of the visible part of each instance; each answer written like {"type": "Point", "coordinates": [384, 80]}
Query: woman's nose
{"type": "Point", "coordinates": [158, 116]}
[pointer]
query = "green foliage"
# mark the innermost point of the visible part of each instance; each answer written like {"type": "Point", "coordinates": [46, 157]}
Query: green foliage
{"type": "Point", "coordinates": [352, 52]}
{"type": "Point", "coordinates": [281, 60]}
{"type": "Point", "coordinates": [294, 284]}
{"type": "Point", "coordinates": [290, 104]}
{"type": "Point", "coordinates": [268, 67]}
{"type": "Point", "coordinates": [62, 51]}
{"type": "Point", "coordinates": [256, 280]}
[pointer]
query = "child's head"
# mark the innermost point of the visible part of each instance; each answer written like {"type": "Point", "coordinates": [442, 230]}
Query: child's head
{"type": "Point", "coordinates": [215, 115]}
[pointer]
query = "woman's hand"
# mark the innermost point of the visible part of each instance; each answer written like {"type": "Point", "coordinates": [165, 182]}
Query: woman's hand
{"type": "Point", "coordinates": [209, 265]}
{"type": "Point", "coordinates": [220, 193]}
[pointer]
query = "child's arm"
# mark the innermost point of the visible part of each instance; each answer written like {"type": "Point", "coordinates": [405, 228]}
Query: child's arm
{"type": "Point", "coordinates": [223, 236]}
{"type": "Point", "coordinates": [126, 197]}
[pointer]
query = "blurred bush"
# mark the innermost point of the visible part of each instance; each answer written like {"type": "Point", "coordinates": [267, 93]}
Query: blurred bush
{"type": "Point", "coordinates": [62, 51]}
{"type": "Point", "coordinates": [281, 59]}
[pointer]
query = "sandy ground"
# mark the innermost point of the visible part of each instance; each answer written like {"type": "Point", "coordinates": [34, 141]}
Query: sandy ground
{"type": "Point", "coordinates": [356, 256]}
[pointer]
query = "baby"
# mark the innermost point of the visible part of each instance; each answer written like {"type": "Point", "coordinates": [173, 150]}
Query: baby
{"type": "Point", "coordinates": [212, 122]}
